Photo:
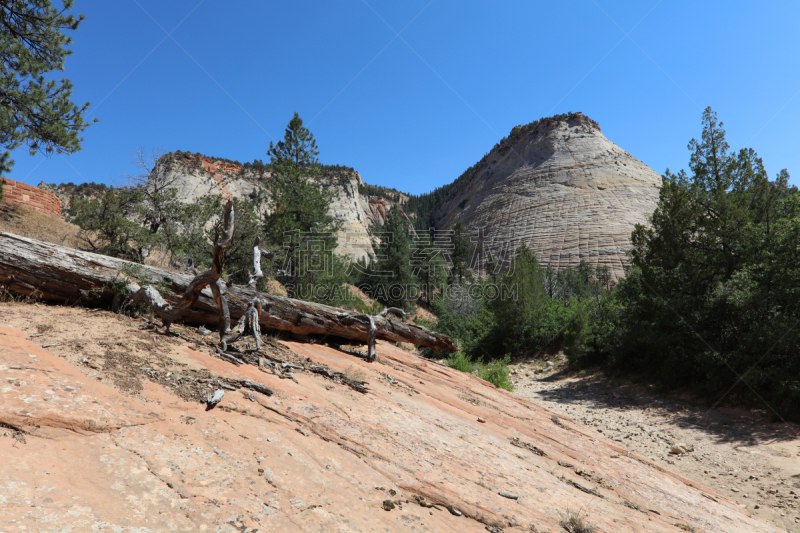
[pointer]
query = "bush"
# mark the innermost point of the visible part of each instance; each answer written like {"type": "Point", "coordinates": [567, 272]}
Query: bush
{"type": "Point", "coordinates": [530, 319]}
{"type": "Point", "coordinates": [115, 224]}
{"type": "Point", "coordinates": [460, 361]}
{"type": "Point", "coordinates": [470, 322]}
{"type": "Point", "coordinates": [495, 372]}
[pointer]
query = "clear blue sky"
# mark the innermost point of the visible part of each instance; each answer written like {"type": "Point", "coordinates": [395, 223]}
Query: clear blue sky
{"type": "Point", "coordinates": [414, 110]}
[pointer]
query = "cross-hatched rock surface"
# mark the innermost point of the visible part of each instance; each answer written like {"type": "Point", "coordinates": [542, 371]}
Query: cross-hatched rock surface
{"type": "Point", "coordinates": [564, 190]}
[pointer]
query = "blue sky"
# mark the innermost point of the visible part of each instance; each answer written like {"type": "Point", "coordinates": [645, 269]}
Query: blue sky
{"type": "Point", "coordinates": [414, 110]}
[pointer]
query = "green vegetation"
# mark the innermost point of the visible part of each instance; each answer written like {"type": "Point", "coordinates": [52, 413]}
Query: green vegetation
{"type": "Point", "coordinates": [461, 254]}
{"type": "Point", "coordinates": [429, 267]}
{"type": "Point", "coordinates": [132, 223]}
{"type": "Point", "coordinates": [83, 188]}
{"type": "Point", "coordinates": [388, 193]}
{"type": "Point", "coordinates": [713, 302]}
{"type": "Point", "coordinates": [259, 167]}
{"type": "Point", "coordinates": [194, 238]}
{"type": "Point", "coordinates": [37, 111]}
{"type": "Point", "coordinates": [299, 222]}
{"type": "Point", "coordinates": [389, 279]}
{"type": "Point", "coordinates": [136, 221]}
{"type": "Point", "coordinates": [114, 224]}
{"type": "Point", "coordinates": [521, 313]}
{"type": "Point", "coordinates": [495, 372]}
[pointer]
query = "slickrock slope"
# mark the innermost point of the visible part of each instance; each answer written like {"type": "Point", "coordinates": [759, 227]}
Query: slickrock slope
{"type": "Point", "coordinates": [563, 189]}
{"type": "Point", "coordinates": [427, 449]}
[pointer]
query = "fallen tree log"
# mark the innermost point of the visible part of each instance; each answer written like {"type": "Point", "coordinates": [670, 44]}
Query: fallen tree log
{"type": "Point", "coordinates": [54, 273]}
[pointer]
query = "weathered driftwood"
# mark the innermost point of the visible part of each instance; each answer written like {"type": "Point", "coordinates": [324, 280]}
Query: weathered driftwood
{"type": "Point", "coordinates": [373, 329]}
{"type": "Point", "coordinates": [257, 274]}
{"type": "Point", "coordinates": [360, 386]}
{"type": "Point", "coordinates": [258, 387]}
{"type": "Point", "coordinates": [230, 358]}
{"type": "Point", "coordinates": [55, 273]}
{"type": "Point", "coordinates": [214, 399]}
{"type": "Point", "coordinates": [170, 313]}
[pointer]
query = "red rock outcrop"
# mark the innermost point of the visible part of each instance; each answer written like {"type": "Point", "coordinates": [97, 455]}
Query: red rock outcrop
{"type": "Point", "coordinates": [25, 195]}
{"type": "Point", "coordinates": [427, 449]}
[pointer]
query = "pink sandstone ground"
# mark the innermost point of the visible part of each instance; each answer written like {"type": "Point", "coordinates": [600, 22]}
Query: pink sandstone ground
{"type": "Point", "coordinates": [87, 443]}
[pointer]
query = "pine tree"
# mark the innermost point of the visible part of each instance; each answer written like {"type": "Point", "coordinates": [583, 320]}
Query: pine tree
{"type": "Point", "coordinates": [299, 221]}
{"type": "Point", "coordinates": [460, 255]}
{"type": "Point", "coordinates": [717, 281]}
{"type": "Point", "coordinates": [524, 311]}
{"type": "Point", "coordinates": [35, 110]}
{"type": "Point", "coordinates": [397, 261]}
{"type": "Point", "coordinates": [114, 224]}
{"type": "Point", "coordinates": [429, 266]}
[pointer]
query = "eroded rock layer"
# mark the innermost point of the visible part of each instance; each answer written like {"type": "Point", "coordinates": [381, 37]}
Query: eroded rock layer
{"type": "Point", "coordinates": [561, 188]}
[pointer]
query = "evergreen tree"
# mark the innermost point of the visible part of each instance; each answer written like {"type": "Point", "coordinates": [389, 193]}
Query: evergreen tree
{"type": "Point", "coordinates": [196, 237]}
{"type": "Point", "coordinates": [527, 318]}
{"type": "Point", "coordinates": [461, 254]}
{"type": "Point", "coordinates": [429, 266]}
{"type": "Point", "coordinates": [35, 110]}
{"type": "Point", "coordinates": [396, 262]}
{"type": "Point", "coordinates": [716, 291]}
{"type": "Point", "coordinates": [299, 222]}
{"type": "Point", "coordinates": [113, 224]}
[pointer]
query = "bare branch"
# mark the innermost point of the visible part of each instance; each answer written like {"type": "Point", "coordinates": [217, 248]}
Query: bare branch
{"type": "Point", "coordinates": [210, 277]}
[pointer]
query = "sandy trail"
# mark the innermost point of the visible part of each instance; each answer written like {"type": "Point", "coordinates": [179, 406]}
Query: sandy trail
{"type": "Point", "coordinates": [737, 453]}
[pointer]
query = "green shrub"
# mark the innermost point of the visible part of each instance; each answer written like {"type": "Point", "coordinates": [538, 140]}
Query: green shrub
{"type": "Point", "coordinates": [470, 322]}
{"type": "Point", "coordinates": [496, 372]}
{"type": "Point", "coordinates": [714, 300]}
{"type": "Point", "coordinates": [460, 361]}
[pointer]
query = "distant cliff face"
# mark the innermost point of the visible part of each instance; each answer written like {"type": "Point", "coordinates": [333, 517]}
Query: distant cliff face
{"type": "Point", "coordinates": [195, 176]}
{"type": "Point", "coordinates": [563, 189]}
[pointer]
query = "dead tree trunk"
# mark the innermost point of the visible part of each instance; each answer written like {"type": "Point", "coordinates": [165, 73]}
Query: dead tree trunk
{"type": "Point", "coordinates": [50, 272]}
{"type": "Point", "coordinates": [210, 278]}
{"type": "Point", "coordinates": [373, 329]}
{"type": "Point", "coordinates": [257, 274]}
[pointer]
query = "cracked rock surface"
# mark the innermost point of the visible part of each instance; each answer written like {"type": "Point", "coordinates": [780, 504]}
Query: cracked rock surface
{"type": "Point", "coordinates": [84, 448]}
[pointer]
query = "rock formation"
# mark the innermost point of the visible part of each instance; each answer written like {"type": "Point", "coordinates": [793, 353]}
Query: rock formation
{"type": "Point", "coordinates": [560, 187]}
{"type": "Point", "coordinates": [195, 176]}
{"type": "Point", "coordinates": [108, 433]}
{"type": "Point", "coordinates": [17, 193]}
